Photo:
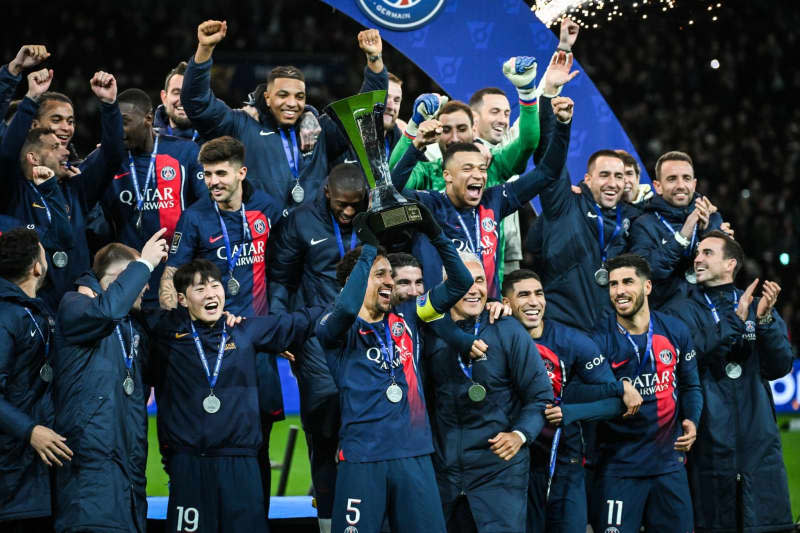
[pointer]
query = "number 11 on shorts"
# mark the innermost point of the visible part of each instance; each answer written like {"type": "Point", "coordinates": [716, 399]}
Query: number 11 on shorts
{"type": "Point", "coordinates": [188, 515]}
{"type": "Point", "coordinates": [611, 504]}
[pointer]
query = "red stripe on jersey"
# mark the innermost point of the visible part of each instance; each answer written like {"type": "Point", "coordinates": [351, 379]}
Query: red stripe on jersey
{"type": "Point", "coordinates": [259, 231]}
{"type": "Point", "coordinates": [404, 344]}
{"type": "Point", "coordinates": [168, 179]}
{"type": "Point", "coordinates": [552, 364]}
{"type": "Point", "coordinates": [488, 245]}
{"type": "Point", "coordinates": [665, 358]}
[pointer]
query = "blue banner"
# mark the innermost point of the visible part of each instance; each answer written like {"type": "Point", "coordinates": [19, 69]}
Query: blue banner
{"type": "Point", "coordinates": [786, 391]}
{"type": "Point", "coordinates": [462, 45]}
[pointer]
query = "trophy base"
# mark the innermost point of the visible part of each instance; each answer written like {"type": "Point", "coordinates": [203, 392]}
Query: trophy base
{"type": "Point", "coordinates": [394, 217]}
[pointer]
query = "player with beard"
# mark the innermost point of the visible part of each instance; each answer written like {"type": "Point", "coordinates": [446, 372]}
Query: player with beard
{"type": "Point", "coordinates": [407, 277]}
{"type": "Point", "coordinates": [373, 352]}
{"type": "Point", "coordinates": [671, 226]}
{"type": "Point", "coordinates": [484, 413]}
{"type": "Point", "coordinates": [170, 118]}
{"type": "Point", "coordinates": [100, 398]}
{"type": "Point", "coordinates": [276, 163]}
{"type": "Point", "coordinates": [471, 211]}
{"type": "Point", "coordinates": [26, 405]}
{"type": "Point", "coordinates": [736, 469]}
{"type": "Point", "coordinates": [640, 474]}
{"type": "Point", "coordinates": [159, 180]}
{"type": "Point", "coordinates": [80, 186]}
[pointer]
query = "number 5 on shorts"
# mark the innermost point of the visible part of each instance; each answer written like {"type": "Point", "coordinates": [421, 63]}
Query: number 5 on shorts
{"type": "Point", "coordinates": [188, 515]}
{"type": "Point", "coordinates": [351, 507]}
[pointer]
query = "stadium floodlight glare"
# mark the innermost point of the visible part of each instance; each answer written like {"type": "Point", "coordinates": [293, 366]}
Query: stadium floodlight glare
{"type": "Point", "coordinates": [784, 258]}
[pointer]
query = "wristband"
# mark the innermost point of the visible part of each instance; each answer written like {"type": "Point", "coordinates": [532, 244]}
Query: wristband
{"type": "Point", "coordinates": [374, 58]}
{"type": "Point", "coordinates": [765, 320]}
{"type": "Point", "coordinates": [683, 241]}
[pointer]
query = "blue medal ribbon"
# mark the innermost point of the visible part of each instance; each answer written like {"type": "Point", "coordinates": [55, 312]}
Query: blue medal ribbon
{"type": "Point", "coordinates": [151, 172]}
{"type": "Point", "coordinates": [292, 152]}
{"type": "Point", "coordinates": [126, 354]}
{"type": "Point", "coordinates": [39, 330]}
{"type": "Point", "coordinates": [41, 199]}
{"type": "Point", "coordinates": [713, 308]}
{"type": "Point", "coordinates": [212, 378]}
{"type": "Point", "coordinates": [642, 360]}
{"type": "Point", "coordinates": [231, 259]}
{"type": "Point", "coordinates": [338, 233]}
{"type": "Point", "coordinates": [601, 234]}
{"type": "Point", "coordinates": [467, 369]}
{"type": "Point", "coordinates": [672, 231]}
{"type": "Point", "coordinates": [387, 348]}
{"type": "Point", "coordinates": [475, 247]}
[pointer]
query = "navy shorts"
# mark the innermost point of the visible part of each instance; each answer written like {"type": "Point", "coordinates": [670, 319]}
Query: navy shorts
{"type": "Point", "coordinates": [660, 503]}
{"type": "Point", "coordinates": [565, 511]}
{"type": "Point", "coordinates": [215, 494]}
{"type": "Point", "coordinates": [404, 490]}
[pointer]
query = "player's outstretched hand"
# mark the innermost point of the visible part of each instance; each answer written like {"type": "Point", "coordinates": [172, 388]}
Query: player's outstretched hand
{"type": "Point", "coordinates": [505, 445]}
{"type": "Point", "coordinates": [685, 441]}
{"type": "Point", "coordinates": [496, 310]}
{"type": "Point", "coordinates": [155, 249]}
{"type": "Point", "coordinates": [558, 74]}
{"type": "Point", "coordinates": [568, 34]}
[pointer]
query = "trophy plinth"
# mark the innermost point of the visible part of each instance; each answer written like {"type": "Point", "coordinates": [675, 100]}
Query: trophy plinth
{"type": "Point", "coordinates": [390, 215]}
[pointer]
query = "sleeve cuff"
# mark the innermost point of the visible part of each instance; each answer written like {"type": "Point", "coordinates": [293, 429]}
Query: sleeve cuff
{"type": "Point", "coordinates": [521, 435]}
{"type": "Point", "coordinates": [146, 263]}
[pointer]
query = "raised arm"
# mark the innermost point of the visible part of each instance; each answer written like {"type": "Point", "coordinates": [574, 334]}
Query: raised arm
{"type": "Point", "coordinates": [445, 295]}
{"type": "Point", "coordinates": [28, 56]}
{"type": "Point", "coordinates": [277, 333]}
{"type": "Point", "coordinates": [38, 83]}
{"type": "Point", "coordinates": [428, 133]}
{"type": "Point", "coordinates": [426, 106]}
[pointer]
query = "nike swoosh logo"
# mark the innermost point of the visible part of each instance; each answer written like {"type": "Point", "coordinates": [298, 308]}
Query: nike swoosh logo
{"type": "Point", "coordinates": [33, 333]}
{"type": "Point", "coordinates": [351, 161]}
{"type": "Point", "coordinates": [590, 214]}
{"type": "Point", "coordinates": [180, 335]}
{"type": "Point", "coordinates": [118, 176]}
{"type": "Point", "coordinates": [663, 241]}
{"type": "Point", "coordinates": [212, 240]}
{"type": "Point", "coordinates": [364, 332]}
{"type": "Point", "coordinates": [617, 365]}
{"type": "Point", "coordinates": [317, 241]}
{"type": "Point", "coordinates": [265, 133]}
{"type": "Point", "coordinates": [34, 204]}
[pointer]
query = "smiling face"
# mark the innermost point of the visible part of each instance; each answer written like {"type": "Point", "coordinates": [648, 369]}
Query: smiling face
{"type": "Point", "coordinates": [472, 304]}
{"type": "Point", "coordinates": [345, 204]}
{"type": "Point", "coordinates": [710, 265]}
{"type": "Point", "coordinates": [408, 284]}
{"type": "Point", "coordinates": [171, 98]}
{"type": "Point", "coordinates": [527, 303]}
{"type": "Point", "coordinates": [676, 183]}
{"type": "Point", "coordinates": [286, 98]}
{"type": "Point", "coordinates": [224, 182]}
{"type": "Point", "coordinates": [465, 177]}
{"type": "Point", "coordinates": [204, 300]}
{"type": "Point", "coordinates": [631, 184]}
{"type": "Point", "coordinates": [59, 117]}
{"type": "Point", "coordinates": [394, 98]}
{"type": "Point", "coordinates": [606, 180]}
{"type": "Point", "coordinates": [456, 128]}
{"type": "Point", "coordinates": [492, 117]}
{"type": "Point", "coordinates": [378, 296]}
{"type": "Point", "coordinates": [628, 291]}
{"type": "Point", "coordinates": [51, 153]}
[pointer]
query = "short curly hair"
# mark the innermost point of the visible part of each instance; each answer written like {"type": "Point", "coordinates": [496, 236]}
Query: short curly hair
{"type": "Point", "coordinates": [348, 263]}
{"type": "Point", "coordinates": [19, 250]}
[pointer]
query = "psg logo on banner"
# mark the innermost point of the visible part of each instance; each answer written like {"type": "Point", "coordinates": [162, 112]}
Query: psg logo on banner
{"type": "Point", "coordinates": [400, 15]}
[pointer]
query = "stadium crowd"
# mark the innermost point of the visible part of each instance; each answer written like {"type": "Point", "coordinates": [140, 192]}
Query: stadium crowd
{"type": "Point", "coordinates": [621, 383]}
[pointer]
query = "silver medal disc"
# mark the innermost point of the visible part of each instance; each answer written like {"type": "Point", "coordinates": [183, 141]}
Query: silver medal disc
{"type": "Point", "coordinates": [476, 392]}
{"type": "Point", "coordinates": [690, 276]}
{"type": "Point", "coordinates": [733, 370]}
{"type": "Point", "coordinates": [233, 286]}
{"type": "Point", "coordinates": [298, 193]}
{"type": "Point", "coordinates": [601, 276]}
{"type": "Point", "coordinates": [46, 373]}
{"type": "Point", "coordinates": [127, 385]}
{"type": "Point", "coordinates": [60, 259]}
{"type": "Point", "coordinates": [211, 404]}
{"type": "Point", "coordinates": [394, 393]}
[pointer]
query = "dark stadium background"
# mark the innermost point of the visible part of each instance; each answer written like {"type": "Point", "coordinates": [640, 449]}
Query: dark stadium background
{"type": "Point", "coordinates": [740, 122]}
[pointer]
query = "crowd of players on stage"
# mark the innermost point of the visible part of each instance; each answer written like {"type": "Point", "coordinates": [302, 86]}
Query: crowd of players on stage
{"type": "Point", "coordinates": [622, 383]}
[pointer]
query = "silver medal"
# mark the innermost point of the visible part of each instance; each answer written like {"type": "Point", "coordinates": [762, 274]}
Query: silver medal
{"type": "Point", "coordinates": [233, 286]}
{"type": "Point", "coordinates": [476, 392]}
{"type": "Point", "coordinates": [733, 370]}
{"type": "Point", "coordinates": [298, 193]}
{"type": "Point", "coordinates": [60, 259]}
{"type": "Point", "coordinates": [127, 385]}
{"type": "Point", "coordinates": [690, 276]}
{"type": "Point", "coordinates": [211, 404]}
{"type": "Point", "coordinates": [46, 373]}
{"type": "Point", "coordinates": [601, 276]}
{"type": "Point", "coordinates": [394, 393]}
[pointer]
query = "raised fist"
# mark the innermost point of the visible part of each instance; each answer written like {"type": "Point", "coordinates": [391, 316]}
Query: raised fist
{"type": "Point", "coordinates": [211, 32]}
{"type": "Point", "coordinates": [40, 174]}
{"type": "Point", "coordinates": [104, 86]}
{"type": "Point", "coordinates": [370, 42]}
{"type": "Point", "coordinates": [426, 106]}
{"type": "Point", "coordinates": [568, 34]}
{"type": "Point", "coordinates": [428, 133]}
{"type": "Point", "coordinates": [520, 71]}
{"type": "Point", "coordinates": [38, 83]}
{"type": "Point", "coordinates": [28, 56]}
{"type": "Point", "coordinates": [563, 108]}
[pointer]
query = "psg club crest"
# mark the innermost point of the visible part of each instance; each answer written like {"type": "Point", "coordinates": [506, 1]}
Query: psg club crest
{"type": "Point", "coordinates": [487, 224]}
{"type": "Point", "coordinates": [400, 15]}
{"type": "Point", "coordinates": [548, 365]}
{"type": "Point", "coordinates": [397, 329]}
{"type": "Point", "coordinates": [167, 173]}
{"type": "Point", "coordinates": [259, 226]}
{"type": "Point", "coordinates": [665, 356]}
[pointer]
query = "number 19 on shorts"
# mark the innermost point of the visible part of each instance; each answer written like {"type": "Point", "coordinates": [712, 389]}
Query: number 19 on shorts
{"type": "Point", "coordinates": [188, 519]}
{"type": "Point", "coordinates": [614, 518]}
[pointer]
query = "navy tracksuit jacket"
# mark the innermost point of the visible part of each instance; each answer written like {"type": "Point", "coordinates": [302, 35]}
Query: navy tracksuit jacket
{"type": "Point", "coordinates": [736, 468]}
{"type": "Point", "coordinates": [103, 487]}
{"type": "Point", "coordinates": [266, 160]}
{"type": "Point", "coordinates": [25, 401]}
{"type": "Point", "coordinates": [69, 200]}
{"type": "Point", "coordinates": [668, 260]}
{"type": "Point", "coordinates": [8, 85]}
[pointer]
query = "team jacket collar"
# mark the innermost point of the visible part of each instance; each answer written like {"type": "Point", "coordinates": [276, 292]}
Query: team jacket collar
{"type": "Point", "coordinates": [10, 292]}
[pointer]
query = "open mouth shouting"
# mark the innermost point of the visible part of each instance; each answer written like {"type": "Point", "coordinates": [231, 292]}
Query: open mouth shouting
{"type": "Point", "coordinates": [474, 192]}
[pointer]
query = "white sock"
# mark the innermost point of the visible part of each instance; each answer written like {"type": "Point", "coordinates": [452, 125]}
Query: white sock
{"type": "Point", "coordinates": [324, 525]}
